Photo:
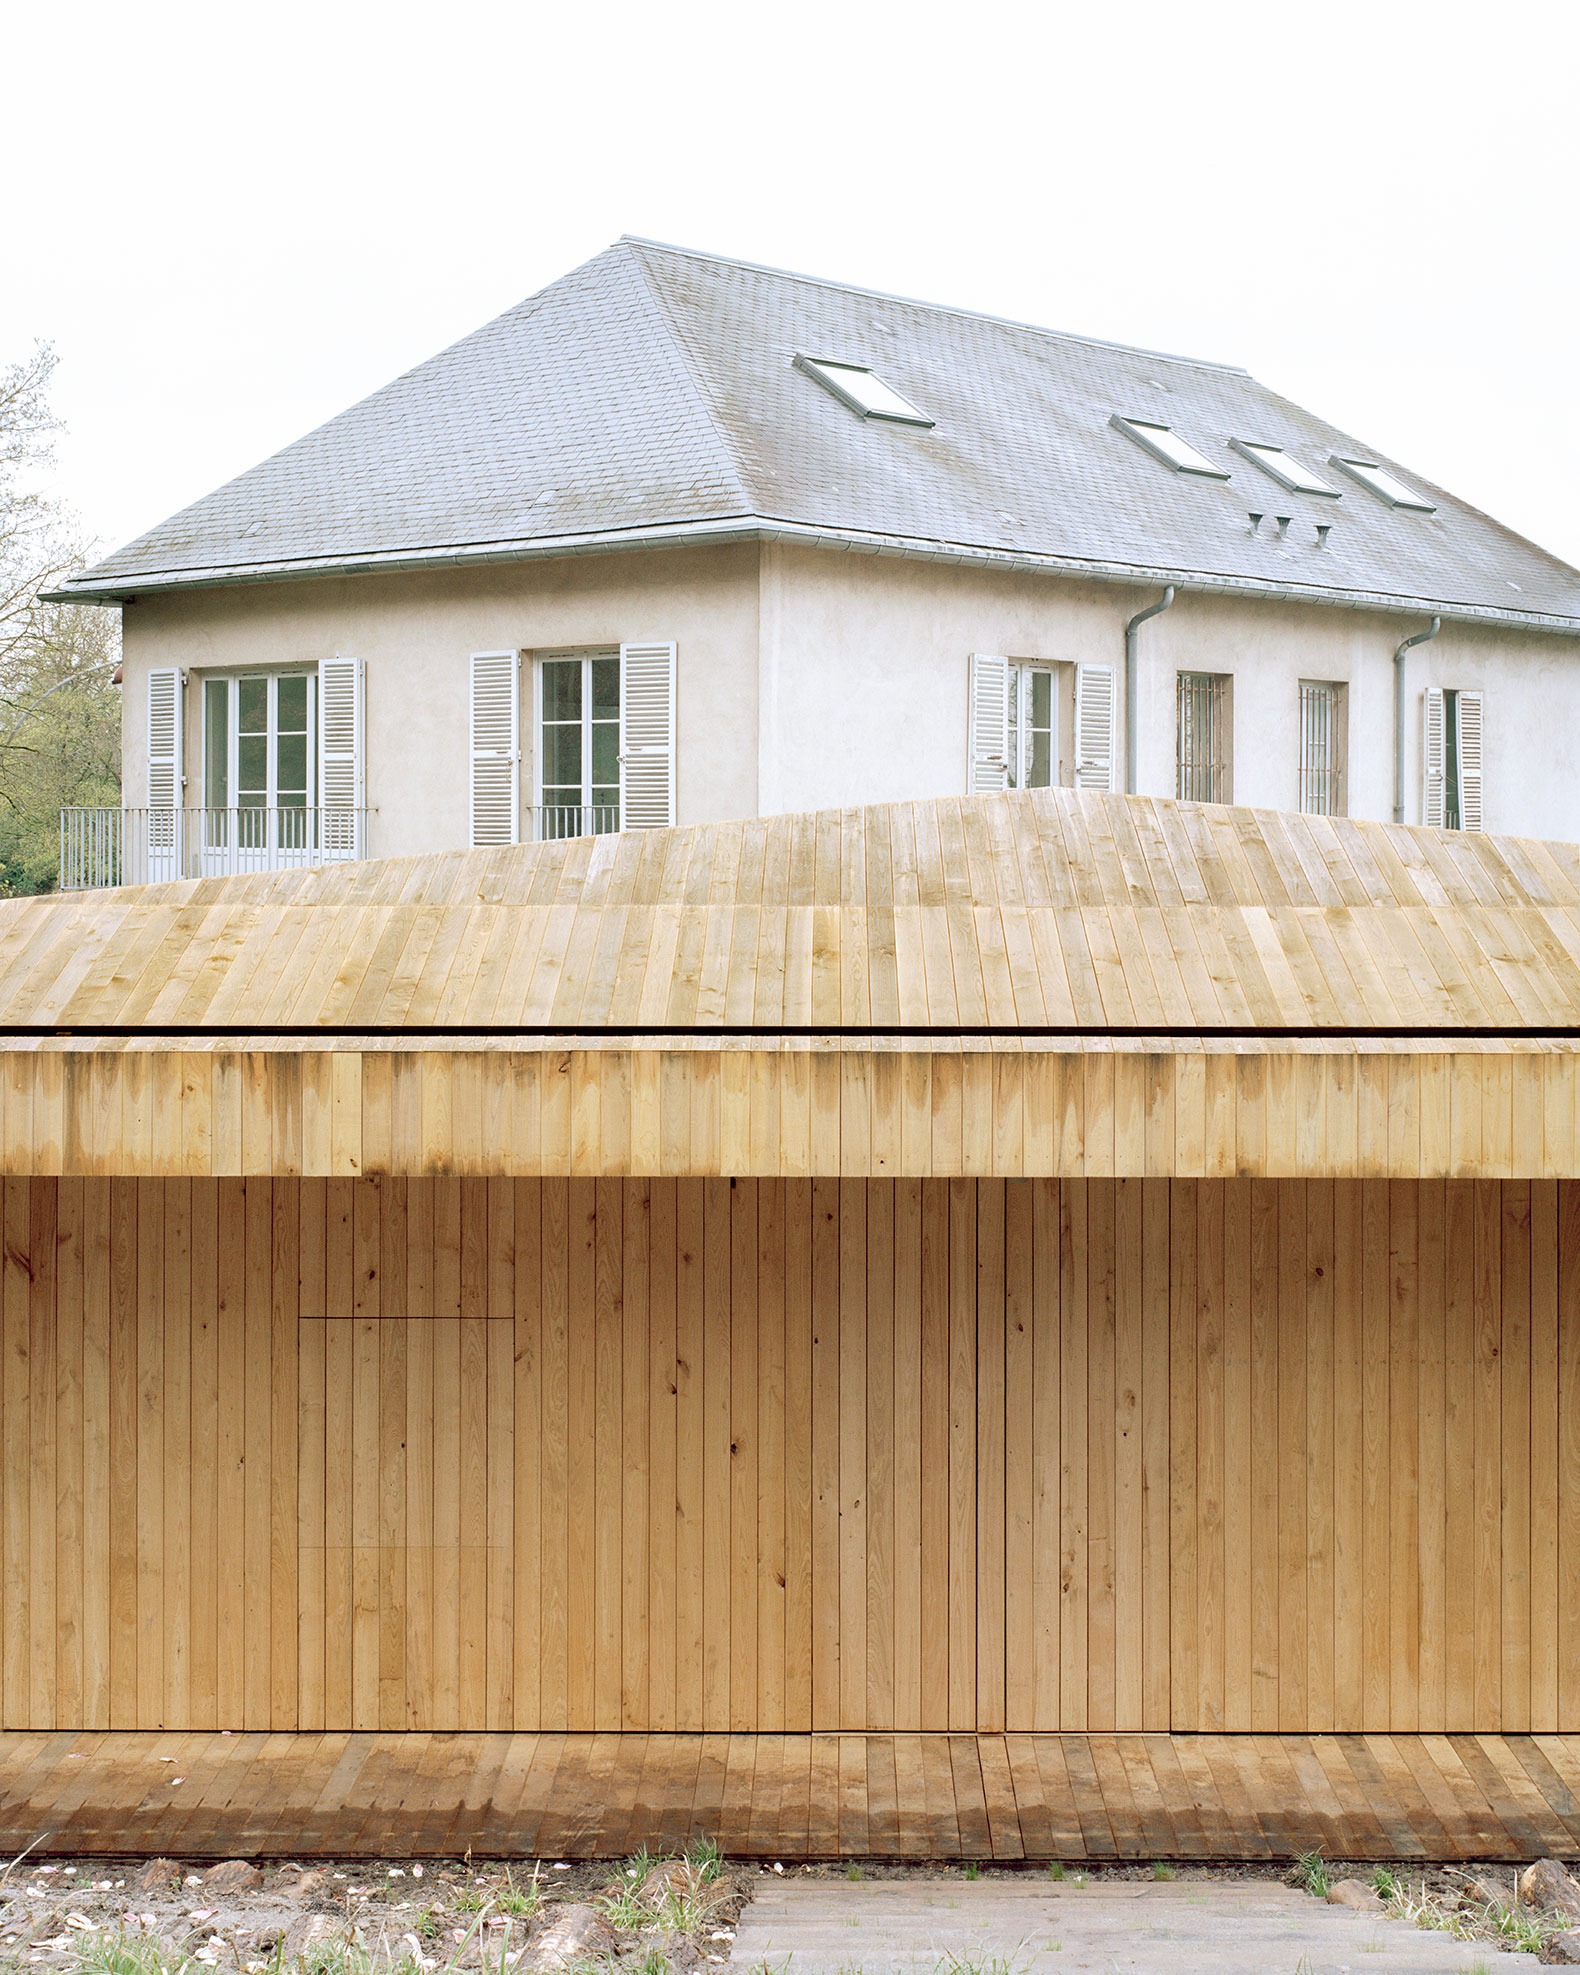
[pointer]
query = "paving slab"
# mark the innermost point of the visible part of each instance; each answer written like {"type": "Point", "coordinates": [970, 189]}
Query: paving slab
{"type": "Point", "coordinates": [999, 1927]}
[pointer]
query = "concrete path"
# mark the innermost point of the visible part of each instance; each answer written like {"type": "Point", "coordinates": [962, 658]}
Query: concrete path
{"type": "Point", "coordinates": [1010, 1927]}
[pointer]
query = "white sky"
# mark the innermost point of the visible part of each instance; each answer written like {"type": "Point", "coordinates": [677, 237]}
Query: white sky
{"type": "Point", "coordinates": [234, 221]}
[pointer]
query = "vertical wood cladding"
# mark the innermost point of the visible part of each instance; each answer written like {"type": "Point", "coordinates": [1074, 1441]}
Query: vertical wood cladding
{"type": "Point", "coordinates": [790, 1454]}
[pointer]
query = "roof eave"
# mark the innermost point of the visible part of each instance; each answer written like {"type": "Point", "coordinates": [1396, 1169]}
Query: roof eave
{"type": "Point", "coordinates": [759, 528]}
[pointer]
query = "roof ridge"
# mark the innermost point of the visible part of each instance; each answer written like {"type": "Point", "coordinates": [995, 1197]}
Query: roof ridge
{"type": "Point", "coordinates": [704, 403]}
{"type": "Point", "coordinates": [936, 308]}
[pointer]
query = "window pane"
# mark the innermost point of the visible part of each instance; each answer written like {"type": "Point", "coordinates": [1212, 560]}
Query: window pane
{"type": "Point", "coordinates": [606, 688]}
{"type": "Point", "coordinates": [291, 767]}
{"type": "Point", "coordinates": [1042, 699]}
{"type": "Point", "coordinates": [216, 743]}
{"type": "Point", "coordinates": [562, 757]}
{"type": "Point", "coordinates": [252, 703]}
{"type": "Point", "coordinates": [292, 702]}
{"type": "Point", "coordinates": [252, 767]}
{"type": "Point", "coordinates": [1039, 773]}
{"type": "Point", "coordinates": [606, 752]}
{"type": "Point", "coordinates": [562, 689]}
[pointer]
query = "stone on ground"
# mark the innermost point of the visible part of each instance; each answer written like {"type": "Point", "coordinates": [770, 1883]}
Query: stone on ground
{"type": "Point", "coordinates": [1563, 1950]}
{"type": "Point", "coordinates": [1354, 1893]}
{"type": "Point", "coordinates": [159, 1875]}
{"type": "Point", "coordinates": [575, 1935]}
{"type": "Point", "coordinates": [232, 1875]}
{"type": "Point", "coordinates": [1547, 1885]}
{"type": "Point", "coordinates": [311, 1930]}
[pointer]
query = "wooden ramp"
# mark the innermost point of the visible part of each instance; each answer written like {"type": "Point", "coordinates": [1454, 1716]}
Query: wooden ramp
{"type": "Point", "coordinates": [1003, 1797]}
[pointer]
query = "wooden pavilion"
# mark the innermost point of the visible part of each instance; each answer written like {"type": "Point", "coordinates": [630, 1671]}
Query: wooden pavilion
{"type": "Point", "coordinates": [1036, 1325]}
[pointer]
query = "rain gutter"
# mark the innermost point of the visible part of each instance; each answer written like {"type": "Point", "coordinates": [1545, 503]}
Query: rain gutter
{"type": "Point", "coordinates": [1132, 641]}
{"type": "Point", "coordinates": [1420, 638]}
{"type": "Point", "coordinates": [753, 528]}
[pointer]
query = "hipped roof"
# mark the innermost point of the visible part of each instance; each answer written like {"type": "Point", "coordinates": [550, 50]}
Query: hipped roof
{"type": "Point", "coordinates": [1003, 915]}
{"type": "Point", "coordinates": [651, 396]}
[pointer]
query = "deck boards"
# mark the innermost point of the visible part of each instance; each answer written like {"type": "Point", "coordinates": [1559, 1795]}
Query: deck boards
{"type": "Point", "coordinates": [1088, 1796]}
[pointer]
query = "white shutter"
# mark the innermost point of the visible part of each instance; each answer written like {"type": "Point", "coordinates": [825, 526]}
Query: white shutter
{"type": "Point", "coordinates": [1469, 760]}
{"type": "Point", "coordinates": [1094, 726]}
{"type": "Point", "coordinates": [340, 790]}
{"type": "Point", "coordinates": [1432, 758]}
{"type": "Point", "coordinates": [496, 747]}
{"type": "Point", "coordinates": [164, 773]}
{"type": "Point", "coordinates": [647, 737]}
{"type": "Point", "coordinates": [987, 744]}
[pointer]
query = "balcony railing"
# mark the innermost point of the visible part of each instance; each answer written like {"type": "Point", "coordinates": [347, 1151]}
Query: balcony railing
{"type": "Point", "coordinates": [553, 820]}
{"type": "Point", "coordinates": [146, 846]}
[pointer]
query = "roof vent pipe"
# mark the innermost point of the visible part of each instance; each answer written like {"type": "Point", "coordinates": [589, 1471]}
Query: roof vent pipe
{"type": "Point", "coordinates": [1420, 638]}
{"type": "Point", "coordinates": [1153, 610]}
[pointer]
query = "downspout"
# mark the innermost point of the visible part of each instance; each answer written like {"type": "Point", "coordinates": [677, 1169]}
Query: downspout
{"type": "Point", "coordinates": [1420, 638]}
{"type": "Point", "coordinates": [1135, 624]}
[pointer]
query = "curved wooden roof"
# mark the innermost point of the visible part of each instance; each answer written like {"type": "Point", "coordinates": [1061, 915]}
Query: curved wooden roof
{"type": "Point", "coordinates": [1013, 913]}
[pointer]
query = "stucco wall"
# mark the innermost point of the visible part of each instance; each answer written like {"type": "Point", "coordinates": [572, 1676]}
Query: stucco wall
{"type": "Point", "coordinates": [415, 634]}
{"type": "Point", "coordinates": [809, 678]}
{"type": "Point", "coordinates": [864, 672]}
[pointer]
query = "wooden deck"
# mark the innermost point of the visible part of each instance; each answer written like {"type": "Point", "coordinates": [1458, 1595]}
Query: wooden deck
{"type": "Point", "coordinates": [1003, 1797]}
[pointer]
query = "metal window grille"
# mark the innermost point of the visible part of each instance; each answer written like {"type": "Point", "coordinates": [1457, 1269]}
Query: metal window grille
{"type": "Point", "coordinates": [1321, 747]}
{"type": "Point", "coordinates": [1202, 761]}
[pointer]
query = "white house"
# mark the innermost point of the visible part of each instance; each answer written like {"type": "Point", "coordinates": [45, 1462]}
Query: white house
{"type": "Point", "coordinates": [682, 538]}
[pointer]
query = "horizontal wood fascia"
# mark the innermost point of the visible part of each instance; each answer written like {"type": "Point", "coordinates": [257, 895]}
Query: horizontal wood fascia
{"type": "Point", "coordinates": [1090, 1110]}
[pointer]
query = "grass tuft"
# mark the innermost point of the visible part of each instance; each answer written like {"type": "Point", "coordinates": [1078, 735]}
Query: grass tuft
{"type": "Point", "coordinates": [122, 1954]}
{"type": "Point", "coordinates": [1311, 1870]}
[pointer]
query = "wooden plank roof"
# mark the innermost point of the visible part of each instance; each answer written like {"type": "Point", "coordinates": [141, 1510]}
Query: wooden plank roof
{"type": "Point", "coordinates": [1020, 913]}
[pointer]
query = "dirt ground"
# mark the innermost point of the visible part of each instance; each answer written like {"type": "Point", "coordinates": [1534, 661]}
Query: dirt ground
{"type": "Point", "coordinates": [136, 1917]}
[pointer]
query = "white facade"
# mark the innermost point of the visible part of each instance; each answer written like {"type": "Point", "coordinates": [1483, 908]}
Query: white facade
{"type": "Point", "coordinates": [811, 678]}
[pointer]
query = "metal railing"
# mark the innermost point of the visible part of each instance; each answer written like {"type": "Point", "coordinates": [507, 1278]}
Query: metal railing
{"type": "Point", "coordinates": [1201, 762]}
{"type": "Point", "coordinates": [553, 820]}
{"type": "Point", "coordinates": [1321, 747]}
{"type": "Point", "coordinates": [146, 846]}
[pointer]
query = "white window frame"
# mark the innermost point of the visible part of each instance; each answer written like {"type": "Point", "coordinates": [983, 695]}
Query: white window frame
{"type": "Point", "coordinates": [1328, 778]}
{"type": "Point", "coordinates": [233, 679]}
{"type": "Point", "coordinates": [586, 654]}
{"type": "Point", "coordinates": [1021, 673]}
{"type": "Point", "coordinates": [1214, 692]}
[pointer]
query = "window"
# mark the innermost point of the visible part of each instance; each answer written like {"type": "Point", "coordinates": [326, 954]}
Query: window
{"type": "Point", "coordinates": [1283, 467]}
{"type": "Point", "coordinates": [1382, 483]}
{"type": "Point", "coordinates": [259, 754]}
{"type": "Point", "coordinates": [863, 390]}
{"type": "Point", "coordinates": [579, 743]}
{"type": "Point", "coordinates": [1033, 728]}
{"type": "Point", "coordinates": [1202, 755]}
{"type": "Point", "coordinates": [1323, 741]}
{"type": "Point", "coordinates": [1163, 443]}
{"type": "Point", "coordinates": [1451, 785]}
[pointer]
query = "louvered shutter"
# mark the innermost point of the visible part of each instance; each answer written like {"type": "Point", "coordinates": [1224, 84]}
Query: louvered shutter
{"type": "Point", "coordinates": [496, 747]}
{"type": "Point", "coordinates": [1094, 726]}
{"type": "Point", "coordinates": [647, 737]}
{"type": "Point", "coordinates": [164, 773]}
{"type": "Point", "coordinates": [987, 761]}
{"type": "Point", "coordinates": [1432, 758]}
{"type": "Point", "coordinates": [1469, 761]}
{"type": "Point", "coordinates": [340, 777]}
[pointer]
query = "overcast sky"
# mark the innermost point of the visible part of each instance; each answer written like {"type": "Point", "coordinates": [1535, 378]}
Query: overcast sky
{"type": "Point", "coordinates": [233, 221]}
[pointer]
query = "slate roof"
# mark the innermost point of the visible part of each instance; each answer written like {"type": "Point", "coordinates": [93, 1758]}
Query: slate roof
{"type": "Point", "coordinates": [651, 396]}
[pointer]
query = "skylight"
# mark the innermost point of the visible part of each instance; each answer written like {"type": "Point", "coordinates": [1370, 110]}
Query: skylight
{"type": "Point", "coordinates": [1284, 467]}
{"type": "Point", "coordinates": [1382, 483]}
{"type": "Point", "coordinates": [863, 390]}
{"type": "Point", "coordinates": [1164, 443]}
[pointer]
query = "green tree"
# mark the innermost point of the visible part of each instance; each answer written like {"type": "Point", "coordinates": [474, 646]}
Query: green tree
{"type": "Point", "coordinates": [60, 716]}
